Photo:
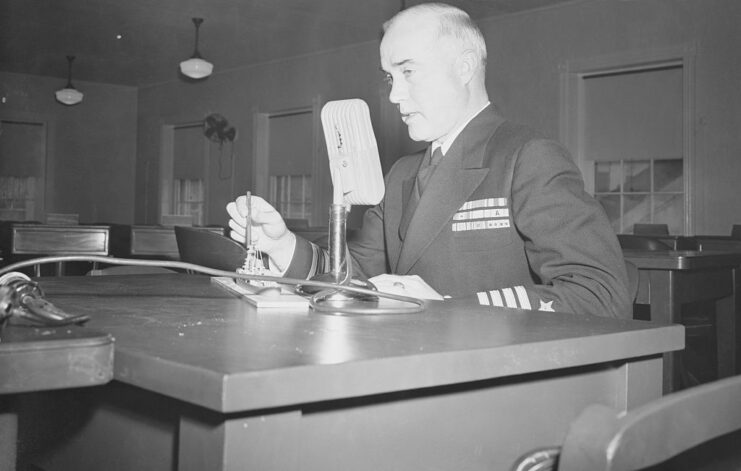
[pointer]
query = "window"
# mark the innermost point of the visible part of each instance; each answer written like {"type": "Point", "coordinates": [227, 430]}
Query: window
{"type": "Point", "coordinates": [291, 195]}
{"type": "Point", "coordinates": [641, 191]}
{"type": "Point", "coordinates": [188, 199]}
{"type": "Point", "coordinates": [184, 175]}
{"type": "Point", "coordinates": [627, 118]}
{"type": "Point", "coordinates": [17, 198]}
{"type": "Point", "coordinates": [22, 169]}
{"type": "Point", "coordinates": [291, 164]}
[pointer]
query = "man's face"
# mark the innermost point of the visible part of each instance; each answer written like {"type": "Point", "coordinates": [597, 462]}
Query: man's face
{"type": "Point", "coordinates": [424, 82]}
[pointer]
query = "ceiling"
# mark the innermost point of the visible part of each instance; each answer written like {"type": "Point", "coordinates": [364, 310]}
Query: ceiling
{"type": "Point", "coordinates": [36, 35]}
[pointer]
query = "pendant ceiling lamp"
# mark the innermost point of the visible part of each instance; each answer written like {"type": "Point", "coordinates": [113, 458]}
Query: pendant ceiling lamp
{"type": "Point", "coordinates": [69, 95]}
{"type": "Point", "coordinates": [196, 67]}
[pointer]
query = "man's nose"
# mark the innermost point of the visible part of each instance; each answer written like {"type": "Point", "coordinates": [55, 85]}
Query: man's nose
{"type": "Point", "coordinates": [398, 92]}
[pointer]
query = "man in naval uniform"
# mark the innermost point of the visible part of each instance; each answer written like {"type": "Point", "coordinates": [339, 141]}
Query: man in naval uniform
{"type": "Point", "coordinates": [490, 214]}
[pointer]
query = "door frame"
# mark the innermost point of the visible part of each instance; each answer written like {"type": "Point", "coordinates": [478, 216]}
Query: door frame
{"type": "Point", "coordinates": [45, 188]}
{"type": "Point", "coordinates": [167, 165]}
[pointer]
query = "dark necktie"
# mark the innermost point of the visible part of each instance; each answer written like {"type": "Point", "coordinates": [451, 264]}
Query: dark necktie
{"type": "Point", "coordinates": [427, 169]}
{"type": "Point", "coordinates": [423, 175]}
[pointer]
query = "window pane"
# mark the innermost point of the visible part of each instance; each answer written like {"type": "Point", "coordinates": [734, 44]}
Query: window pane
{"type": "Point", "coordinates": [611, 204]}
{"type": "Point", "coordinates": [669, 209]}
{"type": "Point", "coordinates": [637, 176]}
{"type": "Point", "coordinates": [607, 177]}
{"type": "Point", "coordinates": [637, 209]}
{"type": "Point", "coordinates": [668, 175]}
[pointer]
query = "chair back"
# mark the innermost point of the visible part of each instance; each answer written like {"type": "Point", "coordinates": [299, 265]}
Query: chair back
{"type": "Point", "coordinates": [602, 438]}
{"type": "Point", "coordinates": [651, 229]}
{"type": "Point", "coordinates": [736, 231]}
{"type": "Point", "coordinates": [635, 242]}
{"type": "Point", "coordinates": [209, 249]}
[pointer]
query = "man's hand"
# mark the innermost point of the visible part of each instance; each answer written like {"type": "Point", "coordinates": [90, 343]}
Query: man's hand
{"type": "Point", "coordinates": [410, 285]}
{"type": "Point", "coordinates": [269, 232]}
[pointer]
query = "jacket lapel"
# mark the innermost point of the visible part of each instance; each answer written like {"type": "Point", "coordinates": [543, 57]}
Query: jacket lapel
{"type": "Point", "coordinates": [456, 178]}
{"type": "Point", "coordinates": [410, 199]}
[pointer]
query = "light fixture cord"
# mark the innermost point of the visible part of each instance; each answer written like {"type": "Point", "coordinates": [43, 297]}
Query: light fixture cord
{"type": "Point", "coordinates": [197, 22]}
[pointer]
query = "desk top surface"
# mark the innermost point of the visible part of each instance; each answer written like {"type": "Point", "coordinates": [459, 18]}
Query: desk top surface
{"type": "Point", "coordinates": [43, 358]}
{"type": "Point", "coordinates": [182, 336]}
{"type": "Point", "coordinates": [682, 259]}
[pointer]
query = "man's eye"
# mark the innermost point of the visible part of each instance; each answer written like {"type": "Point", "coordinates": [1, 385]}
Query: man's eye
{"type": "Point", "coordinates": [388, 79]}
{"type": "Point", "coordinates": [407, 72]}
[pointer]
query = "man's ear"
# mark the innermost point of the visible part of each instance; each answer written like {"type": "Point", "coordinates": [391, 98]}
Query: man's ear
{"type": "Point", "coordinates": [467, 65]}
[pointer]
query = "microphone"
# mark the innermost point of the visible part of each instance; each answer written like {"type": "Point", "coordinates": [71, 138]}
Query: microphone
{"type": "Point", "coordinates": [22, 298]}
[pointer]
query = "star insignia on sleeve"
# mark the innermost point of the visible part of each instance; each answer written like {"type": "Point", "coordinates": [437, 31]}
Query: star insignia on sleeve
{"type": "Point", "coordinates": [546, 306]}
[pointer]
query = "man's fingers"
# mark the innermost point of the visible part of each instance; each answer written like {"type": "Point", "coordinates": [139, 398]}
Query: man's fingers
{"type": "Point", "coordinates": [236, 227]}
{"type": "Point", "coordinates": [233, 211]}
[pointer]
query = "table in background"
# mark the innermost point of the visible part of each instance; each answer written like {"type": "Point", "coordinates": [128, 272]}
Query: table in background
{"type": "Point", "coordinates": [669, 279]}
{"type": "Point", "coordinates": [36, 359]}
{"type": "Point", "coordinates": [159, 241]}
{"type": "Point", "coordinates": [719, 243]}
{"type": "Point", "coordinates": [58, 239]}
{"type": "Point", "coordinates": [204, 381]}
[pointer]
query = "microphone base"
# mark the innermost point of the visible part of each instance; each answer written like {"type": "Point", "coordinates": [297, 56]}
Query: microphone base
{"type": "Point", "coordinates": [338, 298]}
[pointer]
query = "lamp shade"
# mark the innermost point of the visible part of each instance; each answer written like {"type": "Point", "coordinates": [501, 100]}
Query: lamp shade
{"type": "Point", "coordinates": [69, 96]}
{"type": "Point", "coordinates": [196, 68]}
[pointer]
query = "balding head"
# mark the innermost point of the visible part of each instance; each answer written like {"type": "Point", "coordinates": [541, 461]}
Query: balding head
{"type": "Point", "coordinates": [435, 59]}
{"type": "Point", "coordinates": [447, 21]}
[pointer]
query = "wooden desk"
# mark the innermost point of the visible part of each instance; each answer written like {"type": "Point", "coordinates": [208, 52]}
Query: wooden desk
{"type": "Point", "coordinates": [672, 278]}
{"type": "Point", "coordinates": [674, 242]}
{"type": "Point", "coordinates": [40, 359]}
{"type": "Point", "coordinates": [204, 381]}
{"type": "Point", "coordinates": [159, 241]}
{"type": "Point", "coordinates": [56, 239]}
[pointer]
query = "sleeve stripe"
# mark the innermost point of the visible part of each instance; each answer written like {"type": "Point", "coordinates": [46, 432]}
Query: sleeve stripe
{"type": "Point", "coordinates": [319, 260]}
{"type": "Point", "coordinates": [483, 298]}
{"type": "Point", "coordinates": [312, 270]}
{"type": "Point", "coordinates": [522, 296]}
{"type": "Point", "coordinates": [509, 297]}
{"type": "Point", "coordinates": [496, 298]}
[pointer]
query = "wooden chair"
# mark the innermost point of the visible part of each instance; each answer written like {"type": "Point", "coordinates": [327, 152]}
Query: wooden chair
{"type": "Point", "coordinates": [636, 242]}
{"type": "Point", "coordinates": [697, 428]}
{"type": "Point", "coordinates": [651, 229]}
{"type": "Point", "coordinates": [209, 249]}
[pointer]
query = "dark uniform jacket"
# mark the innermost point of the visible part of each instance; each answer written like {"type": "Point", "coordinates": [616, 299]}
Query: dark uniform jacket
{"type": "Point", "coordinates": [504, 221]}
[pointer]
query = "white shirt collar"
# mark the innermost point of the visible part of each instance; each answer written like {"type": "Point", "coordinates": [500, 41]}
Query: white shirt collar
{"type": "Point", "coordinates": [450, 138]}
